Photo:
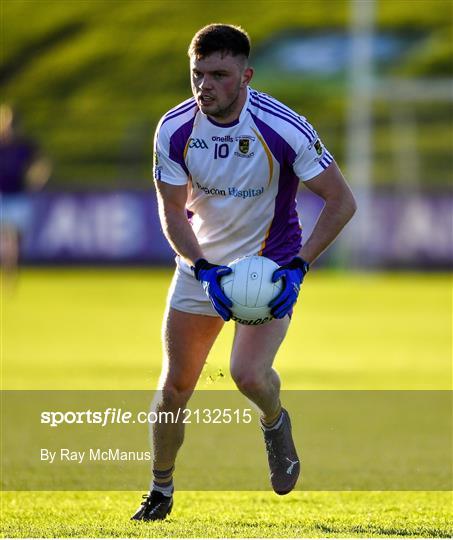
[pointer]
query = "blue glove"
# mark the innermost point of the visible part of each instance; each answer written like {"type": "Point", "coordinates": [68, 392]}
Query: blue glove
{"type": "Point", "coordinates": [292, 275]}
{"type": "Point", "coordinates": [209, 275]}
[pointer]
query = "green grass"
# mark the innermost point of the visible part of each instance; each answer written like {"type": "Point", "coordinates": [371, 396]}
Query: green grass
{"type": "Point", "coordinates": [99, 329]}
{"type": "Point", "coordinates": [236, 515]}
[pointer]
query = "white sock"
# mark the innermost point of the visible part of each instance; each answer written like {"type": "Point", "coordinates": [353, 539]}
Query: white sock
{"type": "Point", "coordinates": [276, 425]}
{"type": "Point", "coordinates": [166, 490]}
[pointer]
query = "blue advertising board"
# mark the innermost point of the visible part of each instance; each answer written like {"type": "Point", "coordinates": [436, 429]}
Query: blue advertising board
{"type": "Point", "coordinates": [122, 227]}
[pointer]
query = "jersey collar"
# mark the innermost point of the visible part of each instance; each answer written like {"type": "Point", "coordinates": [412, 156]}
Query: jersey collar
{"type": "Point", "coordinates": [238, 120]}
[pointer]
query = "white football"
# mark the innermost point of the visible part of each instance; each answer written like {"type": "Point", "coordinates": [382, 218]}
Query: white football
{"type": "Point", "coordinates": [250, 288]}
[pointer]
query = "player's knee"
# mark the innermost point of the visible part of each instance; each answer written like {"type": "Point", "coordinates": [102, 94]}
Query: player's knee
{"type": "Point", "coordinates": [247, 381]}
{"type": "Point", "coordinates": [175, 395]}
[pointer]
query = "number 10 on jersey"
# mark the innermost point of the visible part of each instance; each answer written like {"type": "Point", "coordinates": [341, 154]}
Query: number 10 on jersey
{"type": "Point", "coordinates": [221, 150]}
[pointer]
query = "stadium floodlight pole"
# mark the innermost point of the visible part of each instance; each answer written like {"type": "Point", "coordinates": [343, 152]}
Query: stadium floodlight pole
{"type": "Point", "coordinates": [403, 130]}
{"type": "Point", "coordinates": [359, 124]}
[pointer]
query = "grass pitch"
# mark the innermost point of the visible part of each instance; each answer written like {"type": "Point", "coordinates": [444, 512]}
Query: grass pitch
{"type": "Point", "coordinates": [237, 515]}
{"type": "Point", "coordinates": [97, 329]}
{"type": "Point", "coordinates": [100, 330]}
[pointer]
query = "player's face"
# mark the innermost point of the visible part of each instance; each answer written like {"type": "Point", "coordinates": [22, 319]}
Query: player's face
{"type": "Point", "coordinates": [219, 84]}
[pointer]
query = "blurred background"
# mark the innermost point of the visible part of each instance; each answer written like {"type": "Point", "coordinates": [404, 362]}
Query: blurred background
{"type": "Point", "coordinates": [89, 80]}
{"type": "Point", "coordinates": [84, 84]}
{"type": "Point", "coordinates": [85, 268]}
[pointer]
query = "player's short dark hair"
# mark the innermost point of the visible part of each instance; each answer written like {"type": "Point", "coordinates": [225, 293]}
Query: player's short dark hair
{"type": "Point", "coordinates": [223, 38]}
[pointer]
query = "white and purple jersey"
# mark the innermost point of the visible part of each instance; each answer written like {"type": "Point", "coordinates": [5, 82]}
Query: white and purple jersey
{"type": "Point", "coordinates": [242, 177]}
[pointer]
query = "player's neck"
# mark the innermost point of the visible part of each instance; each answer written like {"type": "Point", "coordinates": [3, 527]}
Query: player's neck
{"type": "Point", "coordinates": [235, 113]}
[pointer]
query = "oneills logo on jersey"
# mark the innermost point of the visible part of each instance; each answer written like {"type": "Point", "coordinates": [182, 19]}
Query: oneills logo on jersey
{"type": "Point", "coordinates": [225, 138]}
{"type": "Point", "coordinates": [198, 143]}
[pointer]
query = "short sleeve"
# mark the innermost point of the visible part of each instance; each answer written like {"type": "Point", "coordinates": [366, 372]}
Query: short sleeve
{"type": "Point", "coordinates": [312, 158]}
{"type": "Point", "coordinates": [169, 164]}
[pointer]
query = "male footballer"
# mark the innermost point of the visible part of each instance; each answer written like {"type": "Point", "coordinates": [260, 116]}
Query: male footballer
{"type": "Point", "coordinates": [229, 138]}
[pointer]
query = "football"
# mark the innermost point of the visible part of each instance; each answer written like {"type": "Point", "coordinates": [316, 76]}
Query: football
{"type": "Point", "coordinates": [250, 288]}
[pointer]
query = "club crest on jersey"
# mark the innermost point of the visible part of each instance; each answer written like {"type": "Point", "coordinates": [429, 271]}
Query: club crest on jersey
{"type": "Point", "coordinates": [318, 147]}
{"type": "Point", "coordinates": [244, 145]}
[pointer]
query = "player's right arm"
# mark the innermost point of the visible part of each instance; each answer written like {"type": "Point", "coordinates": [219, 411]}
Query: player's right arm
{"type": "Point", "coordinates": [179, 233]}
{"type": "Point", "coordinates": [170, 178]}
{"type": "Point", "coordinates": [175, 225]}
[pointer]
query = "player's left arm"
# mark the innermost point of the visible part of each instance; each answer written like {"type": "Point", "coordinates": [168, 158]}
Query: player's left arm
{"type": "Point", "coordinates": [339, 208]}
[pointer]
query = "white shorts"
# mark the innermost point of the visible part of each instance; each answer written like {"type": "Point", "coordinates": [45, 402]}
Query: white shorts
{"type": "Point", "coordinates": [187, 294]}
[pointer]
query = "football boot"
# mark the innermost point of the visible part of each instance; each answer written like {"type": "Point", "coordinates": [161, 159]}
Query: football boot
{"type": "Point", "coordinates": [283, 461]}
{"type": "Point", "coordinates": [154, 507]}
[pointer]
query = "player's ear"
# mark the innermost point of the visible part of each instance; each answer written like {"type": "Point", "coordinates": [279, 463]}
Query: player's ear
{"type": "Point", "coordinates": [247, 76]}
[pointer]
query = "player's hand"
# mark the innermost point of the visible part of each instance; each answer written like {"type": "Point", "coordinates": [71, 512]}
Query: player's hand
{"type": "Point", "coordinates": [209, 275]}
{"type": "Point", "coordinates": [292, 275]}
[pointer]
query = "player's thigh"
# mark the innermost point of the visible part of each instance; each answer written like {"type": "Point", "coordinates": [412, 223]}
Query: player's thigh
{"type": "Point", "coordinates": [255, 347]}
{"type": "Point", "coordinates": [187, 340]}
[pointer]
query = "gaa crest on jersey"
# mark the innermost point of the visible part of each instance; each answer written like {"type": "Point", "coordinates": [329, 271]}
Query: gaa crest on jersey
{"type": "Point", "coordinates": [198, 143]}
